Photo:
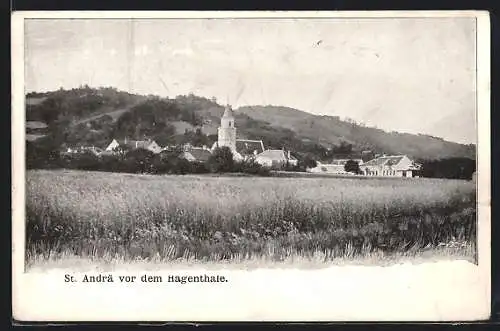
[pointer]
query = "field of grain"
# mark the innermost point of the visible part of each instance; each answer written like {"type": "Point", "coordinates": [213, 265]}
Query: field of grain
{"type": "Point", "coordinates": [215, 218]}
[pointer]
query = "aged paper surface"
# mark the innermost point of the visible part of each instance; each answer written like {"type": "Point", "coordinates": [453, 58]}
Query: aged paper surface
{"type": "Point", "coordinates": [411, 289]}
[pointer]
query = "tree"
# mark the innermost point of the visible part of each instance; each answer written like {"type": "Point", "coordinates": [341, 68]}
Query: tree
{"type": "Point", "coordinates": [221, 160]}
{"type": "Point", "coordinates": [112, 163]}
{"type": "Point", "coordinates": [42, 155]}
{"type": "Point", "coordinates": [453, 168]}
{"type": "Point", "coordinates": [181, 166]}
{"type": "Point", "coordinates": [250, 166]}
{"type": "Point", "coordinates": [139, 161]}
{"type": "Point", "coordinates": [86, 161]}
{"type": "Point", "coordinates": [343, 149]}
{"type": "Point", "coordinates": [352, 166]}
{"type": "Point", "coordinates": [307, 162]}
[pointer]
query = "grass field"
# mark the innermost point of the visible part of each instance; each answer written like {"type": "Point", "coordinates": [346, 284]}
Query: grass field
{"type": "Point", "coordinates": [125, 217]}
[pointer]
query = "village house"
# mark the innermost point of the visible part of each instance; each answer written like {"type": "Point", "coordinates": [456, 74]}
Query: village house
{"type": "Point", "coordinates": [249, 148]}
{"type": "Point", "coordinates": [276, 158]}
{"type": "Point", "coordinates": [391, 166]}
{"type": "Point", "coordinates": [336, 166]}
{"type": "Point", "coordinates": [149, 145]}
{"type": "Point", "coordinates": [196, 154]}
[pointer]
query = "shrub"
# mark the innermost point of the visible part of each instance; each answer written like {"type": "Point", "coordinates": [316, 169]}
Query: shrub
{"type": "Point", "coordinates": [250, 166]}
{"type": "Point", "coordinates": [221, 160]}
{"type": "Point", "coordinates": [112, 163]}
{"type": "Point", "coordinates": [42, 156]}
{"type": "Point", "coordinates": [352, 166]}
{"type": "Point", "coordinates": [139, 161]}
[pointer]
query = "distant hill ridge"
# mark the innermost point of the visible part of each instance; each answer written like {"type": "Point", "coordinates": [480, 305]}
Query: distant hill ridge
{"type": "Point", "coordinates": [95, 116]}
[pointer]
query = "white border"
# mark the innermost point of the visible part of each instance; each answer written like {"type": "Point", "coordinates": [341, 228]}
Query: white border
{"type": "Point", "coordinates": [296, 295]}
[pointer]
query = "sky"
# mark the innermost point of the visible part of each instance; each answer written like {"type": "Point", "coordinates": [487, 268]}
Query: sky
{"type": "Point", "coordinates": [407, 75]}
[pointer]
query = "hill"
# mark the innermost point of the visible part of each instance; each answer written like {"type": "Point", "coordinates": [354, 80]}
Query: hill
{"type": "Point", "coordinates": [330, 130]}
{"type": "Point", "coordinates": [95, 116]}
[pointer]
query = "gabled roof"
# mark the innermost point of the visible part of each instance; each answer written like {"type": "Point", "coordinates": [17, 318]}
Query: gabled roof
{"type": "Point", "coordinates": [135, 143]}
{"type": "Point", "coordinates": [385, 160]}
{"type": "Point", "coordinates": [276, 154]}
{"type": "Point", "coordinates": [344, 161]}
{"type": "Point", "coordinates": [200, 154]}
{"type": "Point", "coordinates": [247, 147]}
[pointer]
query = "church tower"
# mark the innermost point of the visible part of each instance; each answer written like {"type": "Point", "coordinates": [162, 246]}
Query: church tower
{"type": "Point", "coordinates": [227, 131]}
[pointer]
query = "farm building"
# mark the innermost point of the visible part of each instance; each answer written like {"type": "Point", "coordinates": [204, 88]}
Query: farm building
{"type": "Point", "coordinates": [275, 158]}
{"type": "Point", "coordinates": [244, 148]}
{"type": "Point", "coordinates": [335, 167]}
{"type": "Point", "coordinates": [248, 148]}
{"type": "Point", "coordinates": [391, 166]}
{"type": "Point", "coordinates": [150, 145]}
{"type": "Point", "coordinates": [196, 154]}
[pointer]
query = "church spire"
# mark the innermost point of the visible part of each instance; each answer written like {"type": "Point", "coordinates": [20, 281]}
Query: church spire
{"type": "Point", "coordinates": [227, 130]}
{"type": "Point", "coordinates": [228, 112]}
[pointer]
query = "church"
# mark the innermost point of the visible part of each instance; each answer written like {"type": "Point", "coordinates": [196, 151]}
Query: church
{"type": "Point", "coordinates": [244, 149]}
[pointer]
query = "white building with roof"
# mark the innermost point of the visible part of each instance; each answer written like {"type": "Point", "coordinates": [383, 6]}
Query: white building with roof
{"type": "Point", "coordinates": [149, 145]}
{"type": "Point", "coordinates": [196, 154]}
{"type": "Point", "coordinates": [276, 158]}
{"type": "Point", "coordinates": [391, 166]}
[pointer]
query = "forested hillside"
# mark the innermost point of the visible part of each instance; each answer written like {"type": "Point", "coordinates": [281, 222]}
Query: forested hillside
{"type": "Point", "coordinates": [86, 116]}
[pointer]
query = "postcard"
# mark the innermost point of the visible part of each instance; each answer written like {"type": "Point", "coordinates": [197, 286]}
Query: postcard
{"type": "Point", "coordinates": [251, 166]}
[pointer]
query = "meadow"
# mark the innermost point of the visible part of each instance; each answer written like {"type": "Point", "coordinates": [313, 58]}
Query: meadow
{"type": "Point", "coordinates": [208, 218]}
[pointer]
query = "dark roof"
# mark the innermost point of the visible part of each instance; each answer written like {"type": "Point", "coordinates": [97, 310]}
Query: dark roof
{"type": "Point", "coordinates": [384, 160]}
{"type": "Point", "coordinates": [344, 161]}
{"type": "Point", "coordinates": [200, 154]}
{"type": "Point", "coordinates": [247, 147]}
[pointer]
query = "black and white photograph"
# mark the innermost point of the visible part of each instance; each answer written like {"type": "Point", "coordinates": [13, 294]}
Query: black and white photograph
{"type": "Point", "coordinates": [257, 166]}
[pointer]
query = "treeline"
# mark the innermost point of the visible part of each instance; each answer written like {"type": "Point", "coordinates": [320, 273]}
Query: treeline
{"type": "Point", "coordinates": [141, 161]}
{"type": "Point", "coordinates": [67, 113]}
{"type": "Point", "coordinates": [76, 103]}
{"type": "Point", "coordinates": [451, 168]}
